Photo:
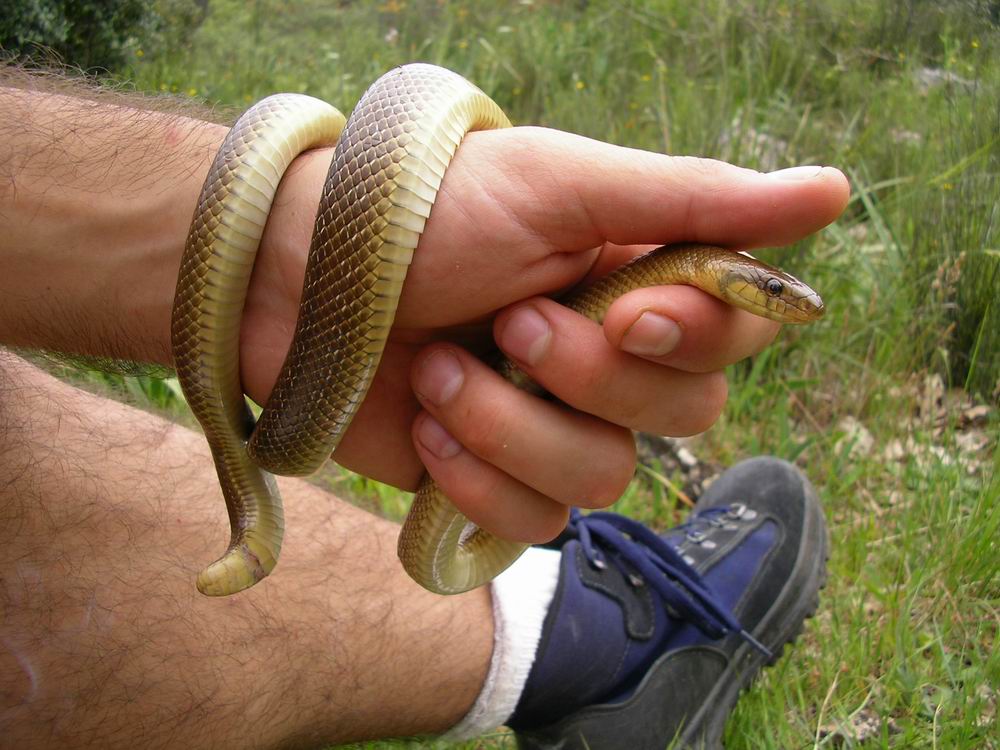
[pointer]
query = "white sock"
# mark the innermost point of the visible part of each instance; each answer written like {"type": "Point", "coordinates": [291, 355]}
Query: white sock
{"type": "Point", "coordinates": [521, 598]}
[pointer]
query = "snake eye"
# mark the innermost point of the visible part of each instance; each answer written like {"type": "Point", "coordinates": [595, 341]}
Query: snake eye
{"type": "Point", "coordinates": [774, 287]}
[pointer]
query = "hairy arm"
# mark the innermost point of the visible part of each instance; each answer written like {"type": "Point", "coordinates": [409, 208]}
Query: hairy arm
{"type": "Point", "coordinates": [95, 202]}
{"type": "Point", "coordinates": [96, 196]}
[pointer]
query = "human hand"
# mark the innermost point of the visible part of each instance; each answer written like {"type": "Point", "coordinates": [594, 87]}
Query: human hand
{"type": "Point", "coordinates": [526, 212]}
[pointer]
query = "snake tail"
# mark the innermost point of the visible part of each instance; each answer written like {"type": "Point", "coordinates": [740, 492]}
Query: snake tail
{"type": "Point", "coordinates": [385, 175]}
{"type": "Point", "coordinates": [211, 288]}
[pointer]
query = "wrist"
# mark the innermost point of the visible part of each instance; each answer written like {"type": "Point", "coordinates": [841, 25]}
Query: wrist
{"type": "Point", "coordinates": [272, 305]}
{"type": "Point", "coordinates": [140, 277]}
{"type": "Point", "coordinates": [155, 230]}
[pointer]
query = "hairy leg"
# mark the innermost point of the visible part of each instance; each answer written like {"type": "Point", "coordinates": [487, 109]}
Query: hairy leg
{"type": "Point", "coordinates": [107, 513]}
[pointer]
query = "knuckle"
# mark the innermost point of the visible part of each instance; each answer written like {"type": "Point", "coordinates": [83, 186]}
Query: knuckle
{"type": "Point", "coordinates": [486, 431]}
{"type": "Point", "coordinates": [610, 476]}
{"type": "Point", "coordinates": [589, 384]}
{"type": "Point", "coordinates": [526, 517]}
{"type": "Point", "coordinates": [714, 390]}
{"type": "Point", "coordinates": [622, 469]}
{"type": "Point", "coordinates": [696, 166]}
{"type": "Point", "coordinates": [479, 492]}
{"type": "Point", "coordinates": [546, 525]}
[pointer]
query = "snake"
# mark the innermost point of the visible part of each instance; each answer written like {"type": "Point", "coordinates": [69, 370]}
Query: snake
{"type": "Point", "coordinates": [388, 164]}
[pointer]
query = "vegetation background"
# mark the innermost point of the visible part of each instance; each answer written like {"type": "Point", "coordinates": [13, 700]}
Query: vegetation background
{"type": "Point", "coordinates": [889, 404]}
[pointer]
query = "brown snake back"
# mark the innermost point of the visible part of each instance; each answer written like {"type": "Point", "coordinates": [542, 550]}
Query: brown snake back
{"type": "Point", "coordinates": [386, 171]}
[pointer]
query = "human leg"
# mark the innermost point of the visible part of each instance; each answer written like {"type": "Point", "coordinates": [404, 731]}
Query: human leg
{"type": "Point", "coordinates": [107, 514]}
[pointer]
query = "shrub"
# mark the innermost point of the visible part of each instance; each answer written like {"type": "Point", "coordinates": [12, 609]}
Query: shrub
{"type": "Point", "coordinates": [85, 33]}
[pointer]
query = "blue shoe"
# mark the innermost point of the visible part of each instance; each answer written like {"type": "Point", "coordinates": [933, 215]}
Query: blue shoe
{"type": "Point", "coordinates": [650, 639]}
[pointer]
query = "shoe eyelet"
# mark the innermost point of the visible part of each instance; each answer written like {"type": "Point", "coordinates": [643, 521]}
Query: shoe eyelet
{"type": "Point", "coordinates": [696, 537]}
{"type": "Point", "coordinates": [598, 564]}
{"type": "Point", "coordinates": [688, 559]}
{"type": "Point", "coordinates": [749, 515]}
{"type": "Point", "coordinates": [636, 581]}
{"type": "Point", "coordinates": [736, 510]}
{"type": "Point", "coordinates": [709, 544]}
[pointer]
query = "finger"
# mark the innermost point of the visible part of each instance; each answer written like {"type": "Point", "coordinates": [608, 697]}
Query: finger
{"type": "Point", "coordinates": [573, 458]}
{"type": "Point", "coordinates": [540, 207]}
{"type": "Point", "coordinates": [487, 496]}
{"type": "Point", "coordinates": [570, 357]}
{"type": "Point", "coordinates": [576, 193]}
{"type": "Point", "coordinates": [683, 327]}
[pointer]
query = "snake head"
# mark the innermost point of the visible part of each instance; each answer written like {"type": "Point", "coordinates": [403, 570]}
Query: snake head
{"type": "Point", "coordinates": [770, 293]}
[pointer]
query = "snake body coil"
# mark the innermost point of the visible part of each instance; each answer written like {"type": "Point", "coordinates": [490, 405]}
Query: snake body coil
{"type": "Point", "coordinates": [382, 184]}
{"type": "Point", "coordinates": [205, 327]}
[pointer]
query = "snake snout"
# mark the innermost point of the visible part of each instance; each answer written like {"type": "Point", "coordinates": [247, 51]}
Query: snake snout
{"type": "Point", "coordinates": [805, 306]}
{"type": "Point", "coordinates": [812, 307]}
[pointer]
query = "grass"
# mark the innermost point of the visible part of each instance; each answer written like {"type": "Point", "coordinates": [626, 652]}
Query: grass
{"type": "Point", "coordinates": [873, 402]}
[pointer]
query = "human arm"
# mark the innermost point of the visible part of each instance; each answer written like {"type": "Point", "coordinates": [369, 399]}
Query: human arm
{"type": "Point", "coordinates": [96, 196]}
{"type": "Point", "coordinates": [96, 211]}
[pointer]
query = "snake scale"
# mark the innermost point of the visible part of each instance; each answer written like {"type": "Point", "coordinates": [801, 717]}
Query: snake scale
{"type": "Point", "coordinates": [389, 161]}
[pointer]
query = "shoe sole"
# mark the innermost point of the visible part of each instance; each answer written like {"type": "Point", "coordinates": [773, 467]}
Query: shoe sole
{"type": "Point", "coordinates": [606, 727]}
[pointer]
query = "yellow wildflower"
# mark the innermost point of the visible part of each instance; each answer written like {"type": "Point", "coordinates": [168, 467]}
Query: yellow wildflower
{"type": "Point", "coordinates": [580, 85]}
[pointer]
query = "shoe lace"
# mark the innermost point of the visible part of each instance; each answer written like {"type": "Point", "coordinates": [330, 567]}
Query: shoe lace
{"type": "Point", "coordinates": [661, 566]}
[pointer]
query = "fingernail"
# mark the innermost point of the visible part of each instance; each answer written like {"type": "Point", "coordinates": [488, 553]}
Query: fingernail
{"type": "Point", "coordinates": [525, 336]}
{"type": "Point", "coordinates": [652, 335]}
{"type": "Point", "coordinates": [439, 377]}
{"type": "Point", "coordinates": [796, 173]}
{"type": "Point", "coordinates": [436, 438]}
